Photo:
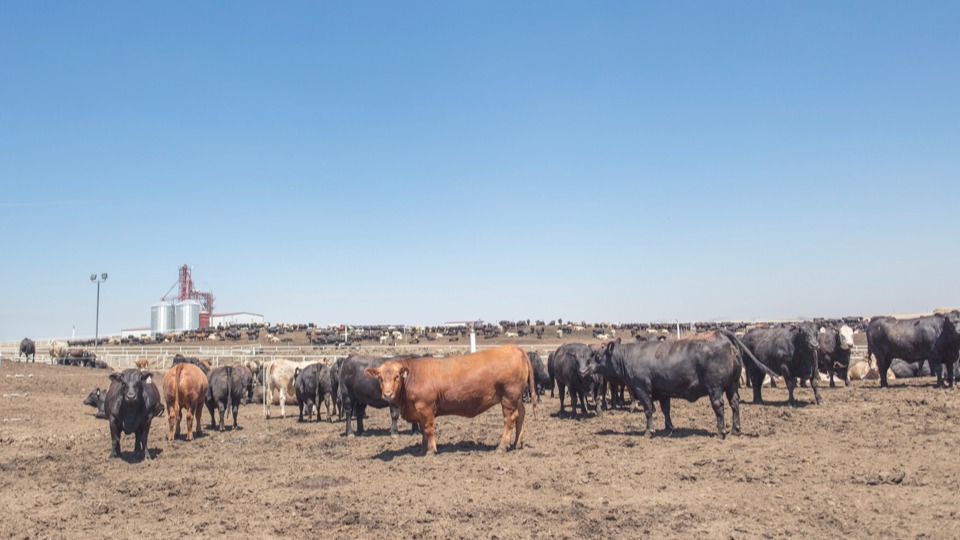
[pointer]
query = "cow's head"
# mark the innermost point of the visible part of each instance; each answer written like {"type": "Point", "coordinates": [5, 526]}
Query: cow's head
{"type": "Point", "coordinates": [951, 324]}
{"type": "Point", "coordinates": [94, 398]}
{"type": "Point", "coordinates": [391, 375]}
{"type": "Point", "coordinates": [846, 337]}
{"type": "Point", "coordinates": [601, 359]}
{"type": "Point", "coordinates": [805, 336]}
{"type": "Point", "coordinates": [131, 383]}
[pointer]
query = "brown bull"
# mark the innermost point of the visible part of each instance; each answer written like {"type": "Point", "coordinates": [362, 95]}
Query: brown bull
{"type": "Point", "coordinates": [185, 387]}
{"type": "Point", "coordinates": [424, 388]}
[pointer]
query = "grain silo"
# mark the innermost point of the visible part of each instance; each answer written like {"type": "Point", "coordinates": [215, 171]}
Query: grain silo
{"type": "Point", "coordinates": [187, 315]}
{"type": "Point", "coordinates": [162, 316]}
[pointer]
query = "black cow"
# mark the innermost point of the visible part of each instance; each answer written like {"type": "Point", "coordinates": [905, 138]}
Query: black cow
{"type": "Point", "coordinates": [704, 365]}
{"type": "Point", "coordinates": [314, 384]}
{"type": "Point", "coordinates": [335, 386]}
{"type": "Point", "coordinates": [226, 387]}
{"type": "Point", "coordinates": [790, 351]}
{"type": "Point", "coordinates": [568, 366]}
{"type": "Point", "coordinates": [935, 338]}
{"type": "Point", "coordinates": [356, 391]}
{"type": "Point", "coordinates": [833, 352]}
{"type": "Point", "coordinates": [96, 400]}
{"type": "Point", "coordinates": [131, 403]}
{"type": "Point", "coordinates": [29, 349]}
{"type": "Point", "coordinates": [541, 376]}
{"type": "Point", "coordinates": [907, 370]}
{"type": "Point", "coordinates": [181, 359]}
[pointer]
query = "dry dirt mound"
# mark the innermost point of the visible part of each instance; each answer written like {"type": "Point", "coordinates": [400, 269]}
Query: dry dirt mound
{"type": "Point", "coordinates": [868, 463]}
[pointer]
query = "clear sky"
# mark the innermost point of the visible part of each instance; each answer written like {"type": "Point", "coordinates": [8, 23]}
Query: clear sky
{"type": "Point", "coordinates": [421, 162]}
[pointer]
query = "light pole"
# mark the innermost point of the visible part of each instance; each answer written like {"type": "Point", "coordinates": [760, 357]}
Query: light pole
{"type": "Point", "coordinates": [96, 335]}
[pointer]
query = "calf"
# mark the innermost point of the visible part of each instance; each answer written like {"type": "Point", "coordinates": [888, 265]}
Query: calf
{"type": "Point", "coordinates": [425, 388]}
{"type": "Point", "coordinates": [96, 399]}
{"type": "Point", "coordinates": [130, 405]}
{"type": "Point", "coordinates": [225, 389]}
{"type": "Point", "coordinates": [185, 387]}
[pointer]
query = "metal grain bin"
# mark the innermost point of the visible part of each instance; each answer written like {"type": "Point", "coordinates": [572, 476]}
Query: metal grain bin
{"type": "Point", "coordinates": [161, 318]}
{"type": "Point", "coordinates": [187, 316]}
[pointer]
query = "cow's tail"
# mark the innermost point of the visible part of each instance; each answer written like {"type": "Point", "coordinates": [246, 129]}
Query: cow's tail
{"type": "Point", "coordinates": [176, 392]}
{"type": "Point", "coordinates": [229, 373]}
{"type": "Point", "coordinates": [530, 383]}
{"type": "Point", "coordinates": [744, 349]}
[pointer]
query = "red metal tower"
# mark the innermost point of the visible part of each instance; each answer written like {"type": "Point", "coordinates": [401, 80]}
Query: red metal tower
{"type": "Point", "coordinates": [187, 291]}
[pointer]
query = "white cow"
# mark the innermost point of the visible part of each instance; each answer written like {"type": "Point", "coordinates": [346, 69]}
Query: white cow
{"type": "Point", "coordinates": [280, 379]}
{"type": "Point", "coordinates": [58, 351]}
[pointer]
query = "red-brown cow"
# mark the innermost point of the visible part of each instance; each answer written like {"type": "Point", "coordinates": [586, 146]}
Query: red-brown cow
{"type": "Point", "coordinates": [424, 388]}
{"type": "Point", "coordinates": [185, 387]}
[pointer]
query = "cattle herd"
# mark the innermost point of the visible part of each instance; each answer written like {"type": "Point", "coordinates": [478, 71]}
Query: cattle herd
{"type": "Point", "coordinates": [645, 370]}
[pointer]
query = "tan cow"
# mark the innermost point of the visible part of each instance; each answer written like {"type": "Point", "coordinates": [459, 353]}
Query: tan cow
{"type": "Point", "coordinates": [280, 379]}
{"type": "Point", "coordinates": [185, 387]}
{"type": "Point", "coordinates": [424, 388]}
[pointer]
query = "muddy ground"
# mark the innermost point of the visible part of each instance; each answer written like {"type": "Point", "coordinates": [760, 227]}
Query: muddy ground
{"type": "Point", "coordinates": [866, 463]}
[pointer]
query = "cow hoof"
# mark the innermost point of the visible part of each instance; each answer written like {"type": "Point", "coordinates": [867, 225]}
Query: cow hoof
{"type": "Point", "coordinates": [722, 435]}
{"type": "Point", "coordinates": [394, 436]}
{"type": "Point", "coordinates": [648, 434]}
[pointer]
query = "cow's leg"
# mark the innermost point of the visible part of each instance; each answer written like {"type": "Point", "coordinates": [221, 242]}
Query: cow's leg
{"type": "Point", "coordinates": [561, 389]}
{"type": "Point", "coordinates": [733, 397]}
{"type": "Point", "coordinates": [190, 416]}
{"type": "Point", "coordinates": [643, 396]}
{"type": "Point", "coordinates": [510, 413]}
{"type": "Point", "coordinates": [429, 438]}
{"type": "Point", "coordinates": [667, 422]}
{"type": "Point", "coordinates": [348, 408]}
{"type": "Point", "coordinates": [394, 416]}
{"type": "Point", "coordinates": [756, 377]}
{"type": "Point", "coordinates": [583, 401]}
{"type": "Point", "coordinates": [173, 419]}
{"type": "Point", "coordinates": [791, 385]}
{"type": "Point", "coordinates": [198, 412]}
{"type": "Point", "coordinates": [269, 390]}
{"type": "Point", "coordinates": [300, 404]}
{"type": "Point", "coordinates": [518, 426]}
{"type": "Point", "coordinates": [211, 406]}
{"type": "Point", "coordinates": [283, 403]}
{"type": "Point", "coordinates": [815, 386]}
{"type": "Point", "coordinates": [235, 406]}
{"type": "Point", "coordinates": [883, 364]}
{"type": "Point", "coordinates": [326, 403]}
{"type": "Point", "coordinates": [360, 411]}
{"type": "Point", "coordinates": [222, 407]}
{"type": "Point", "coordinates": [114, 439]}
{"type": "Point", "coordinates": [831, 372]}
{"type": "Point", "coordinates": [143, 444]}
{"type": "Point", "coordinates": [716, 400]}
{"type": "Point", "coordinates": [950, 374]}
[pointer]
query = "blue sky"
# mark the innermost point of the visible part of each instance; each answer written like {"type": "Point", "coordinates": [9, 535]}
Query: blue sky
{"type": "Point", "coordinates": [418, 163]}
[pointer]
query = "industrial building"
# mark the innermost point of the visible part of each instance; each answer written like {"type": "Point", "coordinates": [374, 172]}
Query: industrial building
{"type": "Point", "coordinates": [184, 308]}
{"type": "Point", "coordinates": [241, 317]}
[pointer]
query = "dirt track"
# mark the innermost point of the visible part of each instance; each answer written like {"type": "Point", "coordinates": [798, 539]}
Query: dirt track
{"type": "Point", "coordinates": [867, 463]}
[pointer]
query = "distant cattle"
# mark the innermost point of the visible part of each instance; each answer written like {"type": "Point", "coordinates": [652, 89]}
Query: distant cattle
{"type": "Point", "coordinates": [130, 405]}
{"type": "Point", "coordinates": [185, 387]}
{"type": "Point", "coordinates": [226, 387]}
{"type": "Point", "coordinates": [425, 388]}
{"type": "Point", "coordinates": [789, 351]}
{"type": "Point", "coordinates": [935, 338]}
{"type": "Point", "coordinates": [58, 351]}
{"type": "Point", "coordinates": [202, 364]}
{"type": "Point", "coordinates": [28, 349]}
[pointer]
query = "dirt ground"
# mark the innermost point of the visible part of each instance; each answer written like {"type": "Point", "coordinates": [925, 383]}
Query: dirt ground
{"type": "Point", "coordinates": [867, 463]}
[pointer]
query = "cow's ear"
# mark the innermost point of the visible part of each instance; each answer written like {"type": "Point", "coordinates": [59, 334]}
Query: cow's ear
{"type": "Point", "coordinates": [145, 375]}
{"type": "Point", "coordinates": [404, 372]}
{"type": "Point", "coordinates": [373, 373]}
{"type": "Point", "coordinates": [115, 377]}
